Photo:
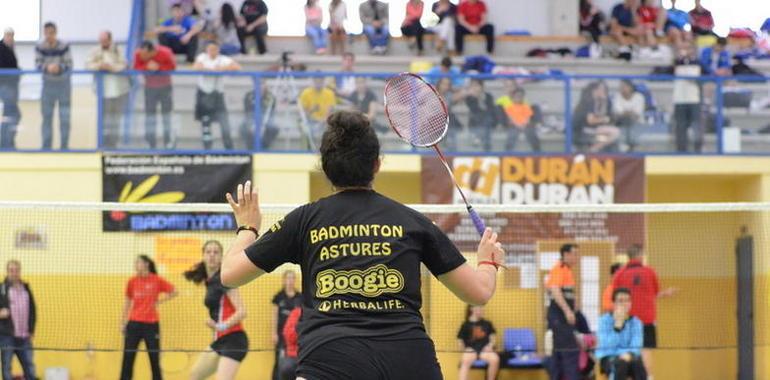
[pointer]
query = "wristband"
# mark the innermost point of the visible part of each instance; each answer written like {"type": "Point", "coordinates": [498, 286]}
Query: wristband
{"type": "Point", "coordinates": [492, 263]}
{"type": "Point", "coordinates": [221, 327]}
{"type": "Point", "coordinates": [247, 227]}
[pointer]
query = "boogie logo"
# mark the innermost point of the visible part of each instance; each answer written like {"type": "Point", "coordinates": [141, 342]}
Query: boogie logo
{"type": "Point", "coordinates": [370, 282]}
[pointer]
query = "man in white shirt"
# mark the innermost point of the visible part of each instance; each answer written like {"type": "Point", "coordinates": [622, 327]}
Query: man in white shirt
{"type": "Point", "coordinates": [210, 99]}
{"type": "Point", "coordinates": [628, 107]}
{"type": "Point", "coordinates": [687, 100]}
{"type": "Point", "coordinates": [108, 59]}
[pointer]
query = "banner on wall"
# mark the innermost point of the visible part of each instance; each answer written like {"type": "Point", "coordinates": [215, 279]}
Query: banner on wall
{"type": "Point", "coordinates": [540, 180]}
{"type": "Point", "coordinates": [171, 179]}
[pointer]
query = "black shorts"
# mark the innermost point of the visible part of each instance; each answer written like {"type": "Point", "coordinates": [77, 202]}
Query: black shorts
{"type": "Point", "coordinates": [372, 359]}
{"type": "Point", "coordinates": [234, 346]}
{"type": "Point", "coordinates": [650, 336]}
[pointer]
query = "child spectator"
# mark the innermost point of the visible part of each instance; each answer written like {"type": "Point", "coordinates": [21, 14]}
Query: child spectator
{"type": "Point", "coordinates": [715, 59]}
{"type": "Point", "coordinates": [702, 21]}
{"type": "Point", "coordinates": [344, 85]}
{"type": "Point", "coordinates": [338, 13]}
{"type": "Point", "coordinates": [179, 33]}
{"type": "Point", "coordinates": [445, 29]}
{"type": "Point", "coordinates": [518, 117]}
{"type": "Point", "coordinates": [620, 340]}
{"type": "Point", "coordinates": [607, 305]}
{"type": "Point", "coordinates": [445, 68]}
{"type": "Point", "coordinates": [314, 16]}
{"type": "Point", "coordinates": [477, 342]}
{"type": "Point", "coordinates": [472, 19]}
{"type": "Point", "coordinates": [647, 19]}
{"type": "Point", "coordinates": [254, 24]}
{"type": "Point", "coordinates": [374, 17]}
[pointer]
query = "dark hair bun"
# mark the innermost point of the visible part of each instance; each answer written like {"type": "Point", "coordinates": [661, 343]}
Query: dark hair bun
{"type": "Point", "coordinates": [349, 149]}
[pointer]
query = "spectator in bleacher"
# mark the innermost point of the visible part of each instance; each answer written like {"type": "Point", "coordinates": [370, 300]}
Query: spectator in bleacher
{"type": "Point", "coordinates": [180, 33]}
{"type": "Point", "coordinates": [411, 26]}
{"type": "Point", "coordinates": [592, 120]}
{"type": "Point", "coordinates": [561, 317]}
{"type": "Point", "coordinates": [452, 96]}
{"type": "Point", "coordinates": [18, 317]}
{"type": "Point", "coordinates": [620, 340]}
{"type": "Point", "coordinates": [687, 99]}
{"type": "Point", "coordinates": [675, 25]}
{"type": "Point", "coordinates": [314, 17]}
{"type": "Point", "coordinates": [592, 20]}
{"type": "Point", "coordinates": [472, 19]}
{"type": "Point", "coordinates": [253, 24]}
{"type": "Point", "coordinates": [317, 102]}
{"type": "Point", "coordinates": [702, 20]}
{"type": "Point", "coordinates": [445, 69]}
{"type": "Point", "coordinates": [364, 100]}
{"type": "Point", "coordinates": [225, 30]}
{"type": "Point", "coordinates": [210, 105]}
{"type": "Point", "coordinates": [623, 25]}
{"type": "Point", "coordinates": [477, 342]}
{"type": "Point", "coordinates": [628, 108]}
{"type": "Point", "coordinates": [519, 117]}
{"type": "Point", "coordinates": [374, 17]}
{"type": "Point", "coordinates": [642, 282]}
{"type": "Point", "coordinates": [648, 17]}
{"type": "Point", "coordinates": [9, 92]}
{"type": "Point", "coordinates": [345, 84]}
{"type": "Point", "coordinates": [338, 13]}
{"type": "Point", "coordinates": [607, 305]}
{"type": "Point", "coordinates": [190, 7]}
{"type": "Point", "coordinates": [445, 29]}
{"type": "Point", "coordinates": [54, 58]}
{"type": "Point", "coordinates": [482, 112]}
{"type": "Point", "coordinates": [108, 59]}
{"type": "Point", "coordinates": [715, 59]}
{"type": "Point", "coordinates": [157, 90]}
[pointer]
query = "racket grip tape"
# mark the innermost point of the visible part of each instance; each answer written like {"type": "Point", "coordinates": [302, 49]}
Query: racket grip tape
{"type": "Point", "coordinates": [477, 221]}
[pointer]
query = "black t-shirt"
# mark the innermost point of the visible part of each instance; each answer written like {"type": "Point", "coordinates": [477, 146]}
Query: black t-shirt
{"type": "Point", "coordinates": [360, 254]}
{"type": "Point", "coordinates": [362, 102]}
{"type": "Point", "coordinates": [285, 305]}
{"type": "Point", "coordinates": [476, 334]}
{"type": "Point", "coordinates": [253, 9]}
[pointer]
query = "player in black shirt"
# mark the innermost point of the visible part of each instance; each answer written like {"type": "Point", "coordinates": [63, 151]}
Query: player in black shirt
{"type": "Point", "coordinates": [360, 254]}
{"type": "Point", "coordinates": [226, 311]}
{"type": "Point", "coordinates": [283, 303]}
{"type": "Point", "coordinates": [477, 341]}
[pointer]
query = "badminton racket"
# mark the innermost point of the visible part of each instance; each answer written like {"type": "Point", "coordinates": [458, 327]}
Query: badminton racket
{"type": "Point", "coordinates": [420, 117]}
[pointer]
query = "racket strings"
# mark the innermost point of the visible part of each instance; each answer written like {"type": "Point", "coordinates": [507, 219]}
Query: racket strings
{"type": "Point", "coordinates": [415, 111]}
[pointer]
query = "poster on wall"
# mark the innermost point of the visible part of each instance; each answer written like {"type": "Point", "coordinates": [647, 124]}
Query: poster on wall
{"type": "Point", "coordinates": [171, 179]}
{"type": "Point", "coordinates": [538, 180]}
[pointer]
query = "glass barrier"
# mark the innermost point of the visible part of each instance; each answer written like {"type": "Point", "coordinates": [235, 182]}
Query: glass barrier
{"type": "Point", "coordinates": [44, 112]}
{"type": "Point", "coordinates": [285, 112]}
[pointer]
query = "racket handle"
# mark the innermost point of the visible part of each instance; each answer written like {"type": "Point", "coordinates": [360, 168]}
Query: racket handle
{"type": "Point", "coordinates": [477, 221]}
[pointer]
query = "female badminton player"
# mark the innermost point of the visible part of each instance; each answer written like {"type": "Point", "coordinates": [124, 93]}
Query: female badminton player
{"type": "Point", "coordinates": [140, 319]}
{"type": "Point", "coordinates": [226, 311]}
{"type": "Point", "coordinates": [360, 255]}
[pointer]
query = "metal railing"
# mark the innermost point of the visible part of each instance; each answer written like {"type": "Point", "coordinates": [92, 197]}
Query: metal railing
{"type": "Point", "coordinates": [268, 117]}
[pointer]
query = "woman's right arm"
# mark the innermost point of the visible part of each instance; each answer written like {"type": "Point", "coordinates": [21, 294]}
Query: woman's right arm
{"type": "Point", "coordinates": [476, 286]}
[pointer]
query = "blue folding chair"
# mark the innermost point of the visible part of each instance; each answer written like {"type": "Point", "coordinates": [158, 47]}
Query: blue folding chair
{"type": "Point", "coordinates": [523, 345]}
